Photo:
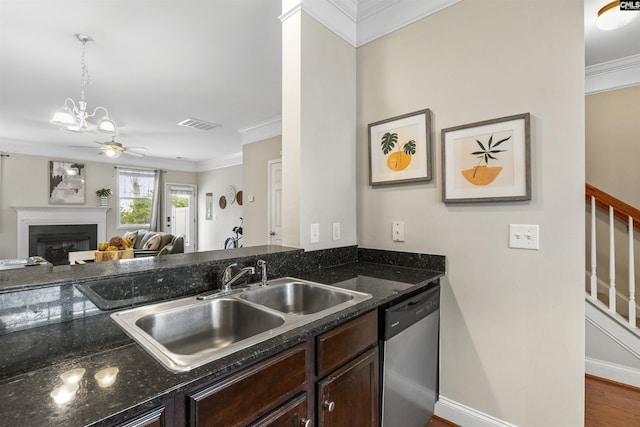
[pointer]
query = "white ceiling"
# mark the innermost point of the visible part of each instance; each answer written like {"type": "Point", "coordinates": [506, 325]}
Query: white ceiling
{"type": "Point", "coordinates": [156, 63]}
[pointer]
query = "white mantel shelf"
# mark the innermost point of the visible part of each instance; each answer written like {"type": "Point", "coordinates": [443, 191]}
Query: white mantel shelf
{"type": "Point", "coordinates": [57, 215]}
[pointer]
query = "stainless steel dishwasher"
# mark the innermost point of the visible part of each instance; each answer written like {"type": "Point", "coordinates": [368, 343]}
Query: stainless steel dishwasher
{"type": "Point", "coordinates": [409, 360]}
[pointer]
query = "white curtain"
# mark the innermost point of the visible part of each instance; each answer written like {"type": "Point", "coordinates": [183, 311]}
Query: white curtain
{"type": "Point", "coordinates": [155, 223]}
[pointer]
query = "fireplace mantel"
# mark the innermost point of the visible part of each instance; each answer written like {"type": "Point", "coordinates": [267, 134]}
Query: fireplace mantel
{"type": "Point", "coordinates": [57, 215]}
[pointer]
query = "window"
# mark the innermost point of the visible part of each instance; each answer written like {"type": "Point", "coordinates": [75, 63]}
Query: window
{"type": "Point", "coordinates": [136, 188]}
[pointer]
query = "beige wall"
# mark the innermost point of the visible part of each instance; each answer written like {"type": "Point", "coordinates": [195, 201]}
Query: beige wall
{"type": "Point", "coordinates": [613, 143]}
{"type": "Point", "coordinates": [255, 175]}
{"type": "Point", "coordinates": [512, 336]}
{"type": "Point", "coordinates": [318, 134]}
{"type": "Point", "coordinates": [25, 182]}
{"type": "Point", "coordinates": [612, 153]}
{"type": "Point", "coordinates": [213, 233]}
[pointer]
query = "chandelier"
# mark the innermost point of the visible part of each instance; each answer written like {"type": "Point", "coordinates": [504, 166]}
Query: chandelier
{"type": "Point", "coordinates": [73, 116]}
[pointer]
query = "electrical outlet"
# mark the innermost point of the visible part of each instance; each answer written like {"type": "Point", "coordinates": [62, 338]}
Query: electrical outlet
{"type": "Point", "coordinates": [397, 231]}
{"type": "Point", "coordinates": [524, 236]}
{"type": "Point", "coordinates": [336, 231]}
{"type": "Point", "coordinates": [315, 233]}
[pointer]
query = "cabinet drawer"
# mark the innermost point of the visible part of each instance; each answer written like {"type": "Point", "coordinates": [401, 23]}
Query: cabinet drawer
{"type": "Point", "coordinates": [246, 395]}
{"type": "Point", "coordinates": [341, 344]}
{"type": "Point", "coordinates": [291, 414]}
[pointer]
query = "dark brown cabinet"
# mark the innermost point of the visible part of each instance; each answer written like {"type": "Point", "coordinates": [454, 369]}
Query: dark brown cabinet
{"type": "Point", "coordinates": [349, 396]}
{"type": "Point", "coordinates": [291, 414]}
{"type": "Point", "coordinates": [154, 418]}
{"type": "Point", "coordinates": [244, 397]}
{"type": "Point", "coordinates": [347, 361]}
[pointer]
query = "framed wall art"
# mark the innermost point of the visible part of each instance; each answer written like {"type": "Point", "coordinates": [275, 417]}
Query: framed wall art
{"type": "Point", "coordinates": [66, 183]}
{"type": "Point", "coordinates": [487, 161]}
{"type": "Point", "coordinates": [400, 149]}
{"type": "Point", "coordinates": [209, 206]}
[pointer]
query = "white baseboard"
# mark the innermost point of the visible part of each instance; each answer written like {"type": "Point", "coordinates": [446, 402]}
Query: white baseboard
{"type": "Point", "coordinates": [612, 371]}
{"type": "Point", "coordinates": [465, 416]}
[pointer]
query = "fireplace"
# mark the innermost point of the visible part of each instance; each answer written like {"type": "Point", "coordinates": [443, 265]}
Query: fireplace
{"type": "Point", "coordinates": [70, 228]}
{"type": "Point", "coordinates": [54, 242]}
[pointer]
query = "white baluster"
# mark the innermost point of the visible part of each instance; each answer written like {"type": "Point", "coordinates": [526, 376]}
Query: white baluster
{"type": "Point", "coordinates": [594, 277]}
{"type": "Point", "coordinates": [612, 263]}
{"type": "Point", "coordinates": [632, 278]}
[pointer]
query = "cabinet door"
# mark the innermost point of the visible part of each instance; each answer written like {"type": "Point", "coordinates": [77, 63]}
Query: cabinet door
{"type": "Point", "coordinates": [291, 414]}
{"type": "Point", "coordinates": [252, 392]}
{"type": "Point", "coordinates": [349, 396]}
{"type": "Point", "coordinates": [154, 418]}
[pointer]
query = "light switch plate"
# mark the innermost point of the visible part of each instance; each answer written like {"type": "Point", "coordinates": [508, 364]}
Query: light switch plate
{"type": "Point", "coordinates": [315, 233]}
{"type": "Point", "coordinates": [524, 236]}
{"type": "Point", "coordinates": [336, 231]}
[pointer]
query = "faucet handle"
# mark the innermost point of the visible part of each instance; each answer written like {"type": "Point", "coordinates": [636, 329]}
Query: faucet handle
{"type": "Point", "coordinates": [226, 276]}
{"type": "Point", "coordinates": [263, 265]}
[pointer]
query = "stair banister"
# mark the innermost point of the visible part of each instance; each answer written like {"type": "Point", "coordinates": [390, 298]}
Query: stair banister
{"type": "Point", "coordinates": [631, 216]}
{"type": "Point", "coordinates": [632, 278]}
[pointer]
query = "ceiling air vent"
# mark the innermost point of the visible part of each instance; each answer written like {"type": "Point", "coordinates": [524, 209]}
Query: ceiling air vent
{"type": "Point", "coordinates": [198, 124]}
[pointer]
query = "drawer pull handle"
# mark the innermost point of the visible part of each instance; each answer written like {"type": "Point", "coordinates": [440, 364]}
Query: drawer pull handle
{"type": "Point", "coordinates": [329, 405]}
{"type": "Point", "coordinates": [305, 422]}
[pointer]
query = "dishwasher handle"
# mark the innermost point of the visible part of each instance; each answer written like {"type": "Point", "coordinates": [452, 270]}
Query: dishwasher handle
{"type": "Point", "coordinates": [399, 317]}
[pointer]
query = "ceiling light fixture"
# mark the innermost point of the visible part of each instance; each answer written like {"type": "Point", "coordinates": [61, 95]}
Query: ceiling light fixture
{"type": "Point", "coordinates": [73, 117]}
{"type": "Point", "coordinates": [611, 16]}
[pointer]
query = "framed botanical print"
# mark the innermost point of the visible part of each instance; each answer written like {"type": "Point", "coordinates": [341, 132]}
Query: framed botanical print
{"type": "Point", "coordinates": [487, 161]}
{"type": "Point", "coordinates": [400, 149]}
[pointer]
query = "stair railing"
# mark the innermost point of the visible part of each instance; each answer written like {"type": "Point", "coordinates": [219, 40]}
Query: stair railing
{"type": "Point", "coordinates": [631, 216]}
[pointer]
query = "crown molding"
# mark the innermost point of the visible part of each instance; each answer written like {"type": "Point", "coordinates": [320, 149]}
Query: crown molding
{"type": "Point", "coordinates": [219, 162]}
{"type": "Point", "coordinates": [612, 75]}
{"type": "Point", "coordinates": [262, 130]}
{"type": "Point", "coordinates": [359, 22]}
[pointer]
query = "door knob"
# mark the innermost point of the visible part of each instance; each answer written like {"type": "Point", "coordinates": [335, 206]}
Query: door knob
{"type": "Point", "coordinates": [330, 406]}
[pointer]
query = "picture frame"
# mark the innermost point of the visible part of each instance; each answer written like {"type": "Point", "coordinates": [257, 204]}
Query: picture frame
{"type": "Point", "coordinates": [66, 183]}
{"type": "Point", "coordinates": [487, 161]}
{"type": "Point", "coordinates": [209, 206]}
{"type": "Point", "coordinates": [400, 149]}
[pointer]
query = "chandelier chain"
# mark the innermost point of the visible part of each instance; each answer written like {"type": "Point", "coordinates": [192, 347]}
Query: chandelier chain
{"type": "Point", "coordinates": [85, 78]}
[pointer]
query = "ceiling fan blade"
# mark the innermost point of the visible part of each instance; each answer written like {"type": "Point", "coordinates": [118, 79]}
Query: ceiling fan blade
{"type": "Point", "coordinates": [132, 153]}
{"type": "Point", "coordinates": [81, 146]}
{"type": "Point", "coordinates": [138, 149]}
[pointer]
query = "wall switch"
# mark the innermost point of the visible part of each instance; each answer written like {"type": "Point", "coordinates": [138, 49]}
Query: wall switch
{"type": "Point", "coordinates": [397, 231]}
{"type": "Point", "coordinates": [336, 231]}
{"type": "Point", "coordinates": [315, 233]}
{"type": "Point", "coordinates": [251, 198]}
{"type": "Point", "coordinates": [524, 236]}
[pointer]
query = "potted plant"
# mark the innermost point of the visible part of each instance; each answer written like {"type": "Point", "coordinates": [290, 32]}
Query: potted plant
{"type": "Point", "coordinates": [104, 194]}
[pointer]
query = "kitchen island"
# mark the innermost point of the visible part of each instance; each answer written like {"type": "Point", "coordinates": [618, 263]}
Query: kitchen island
{"type": "Point", "coordinates": [34, 359]}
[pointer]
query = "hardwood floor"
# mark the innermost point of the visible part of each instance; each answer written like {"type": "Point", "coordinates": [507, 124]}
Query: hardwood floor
{"type": "Point", "coordinates": [610, 404]}
{"type": "Point", "coordinates": [607, 404]}
{"type": "Point", "coordinates": [436, 421]}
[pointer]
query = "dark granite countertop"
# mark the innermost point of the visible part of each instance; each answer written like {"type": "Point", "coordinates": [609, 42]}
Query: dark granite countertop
{"type": "Point", "coordinates": [33, 361]}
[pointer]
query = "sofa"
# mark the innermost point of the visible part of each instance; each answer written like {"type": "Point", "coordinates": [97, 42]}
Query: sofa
{"type": "Point", "coordinates": [152, 243]}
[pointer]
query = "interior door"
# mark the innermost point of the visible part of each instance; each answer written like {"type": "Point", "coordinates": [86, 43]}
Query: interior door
{"type": "Point", "coordinates": [180, 212]}
{"type": "Point", "coordinates": [275, 202]}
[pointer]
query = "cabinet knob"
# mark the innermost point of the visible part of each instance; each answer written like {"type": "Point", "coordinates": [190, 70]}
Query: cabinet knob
{"type": "Point", "coordinates": [329, 405]}
{"type": "Point", "coordinates": [305, 422]}
{"type": "Point", "coordinates": [273, 233]}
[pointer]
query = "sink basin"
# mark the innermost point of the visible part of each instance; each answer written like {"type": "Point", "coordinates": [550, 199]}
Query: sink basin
{"type": "Point", "coordinates": [205, 327]}
{"type": "Point", "coordinates": [296, 297]}
{"type": "Point", "coordinates": [189, 332]}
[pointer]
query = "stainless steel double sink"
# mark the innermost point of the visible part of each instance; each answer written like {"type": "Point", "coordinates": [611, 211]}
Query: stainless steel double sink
{"type": "Point", "coordinates": [189, 332]}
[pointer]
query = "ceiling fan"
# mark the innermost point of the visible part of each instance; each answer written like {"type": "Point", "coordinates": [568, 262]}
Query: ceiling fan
{"type": "Point", "coordinates": [114, 149]}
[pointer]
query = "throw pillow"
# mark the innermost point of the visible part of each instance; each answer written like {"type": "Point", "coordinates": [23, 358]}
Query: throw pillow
{"type": "Point", "coordinates": [131, 235]}
{"type": "Point", "coordinates": [166, 250]}
{"type": "Point", "coordinates": [153, 244]}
